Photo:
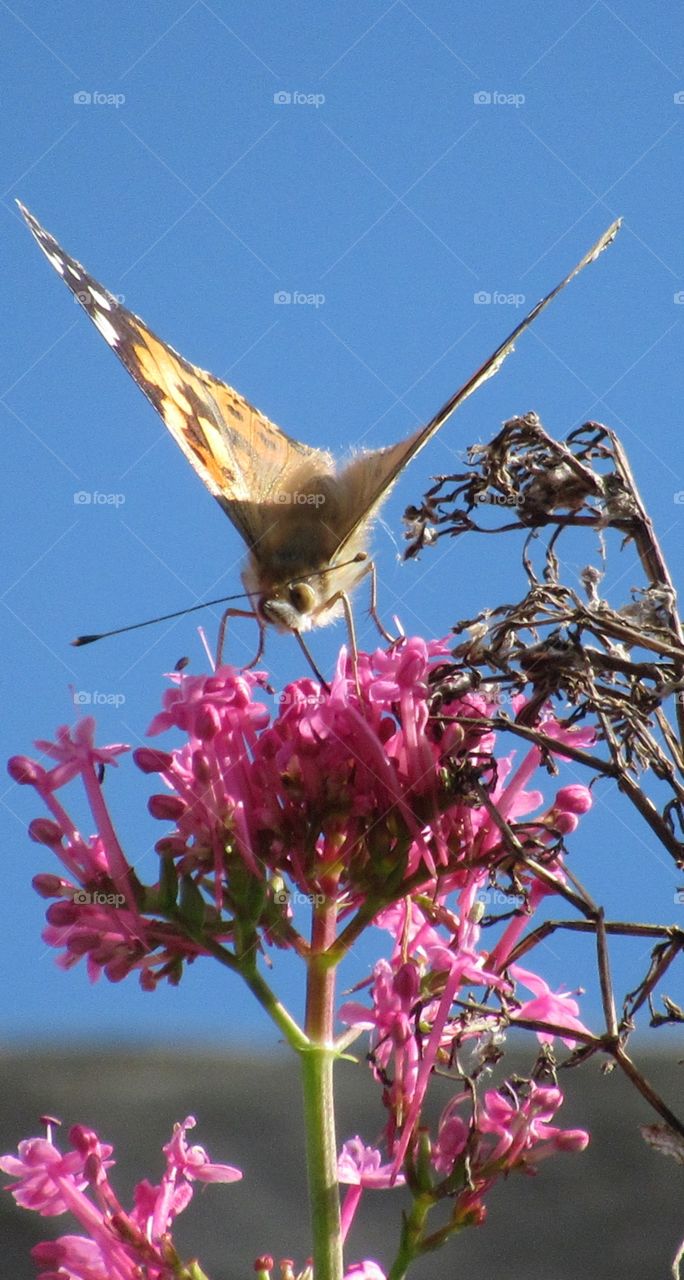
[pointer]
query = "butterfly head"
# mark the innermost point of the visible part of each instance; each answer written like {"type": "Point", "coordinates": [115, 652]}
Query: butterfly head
{"type": "Point", "coordinates": [307, 600]}
{"type": "Point", "coordinates": [291, 607]}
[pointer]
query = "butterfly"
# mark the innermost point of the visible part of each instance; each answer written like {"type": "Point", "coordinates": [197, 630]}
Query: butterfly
{"type": "Point", "coordinates": [305, 520]}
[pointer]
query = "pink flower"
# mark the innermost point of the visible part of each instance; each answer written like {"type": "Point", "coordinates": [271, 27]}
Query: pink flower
{"type": "Point", "coordinates": [74, 1258]}
{"type": "Point", "coordinates": [452, 1136]}
{"type": "Point", "coordinates": [367, 1270]}
{"type": "Point", "coordinates": [379, 804]}
{"type": "Point", "coordinates": [508, 1130]}
{"type": "Point", "coordinates": [42, 1175]}
{"type": "Point", "coordinates": [362, 1168]}
{"type": "Point", "coordinates": [76, 751]}
{"type": "Point", "coordinates": [118, 1244]}
{"type": "Point", "coordinates": [559, 1008]}
{"type": "Point", "coordinates": [392, 1022]}
{"type": "Point", "coordinates": [521, 1125]}
{"type": "Point", "coordinates": [203, 706]}
{"type": "Point", "coordinates": [354, 793]}
{"type": "Point", "coordinates": [193, 1163]}
{"type": "Point", "coordinates": [360, 791]}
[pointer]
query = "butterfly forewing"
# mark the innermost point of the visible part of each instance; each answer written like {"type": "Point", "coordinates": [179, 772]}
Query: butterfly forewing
{"type": "Point", "coordinates": [244, 459]}
{"type": "Point", "coordinates": [376, 472]}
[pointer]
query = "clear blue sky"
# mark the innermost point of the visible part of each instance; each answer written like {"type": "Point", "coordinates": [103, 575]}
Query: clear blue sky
{"type": "Point", "coordinates": [388, 190]}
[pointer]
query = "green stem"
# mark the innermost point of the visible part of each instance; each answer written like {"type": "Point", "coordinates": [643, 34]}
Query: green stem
{"type": "Point", "coordinates": [411, 1236]}
{"type": "Point", "coordinates": [260, 990]}
{"type": "Point", "coordinates": [319, 1112]}
{"type": "Point", "coordinates": [276, 1011]}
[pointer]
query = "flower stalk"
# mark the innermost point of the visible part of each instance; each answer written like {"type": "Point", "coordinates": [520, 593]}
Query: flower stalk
{"type": "Point", "coordinates": [317, 1061]}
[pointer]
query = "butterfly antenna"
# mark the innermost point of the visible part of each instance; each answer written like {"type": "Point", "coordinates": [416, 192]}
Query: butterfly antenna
{"type": "Point", "coordinates": [163, 617]}
{"type": "Point", "coordinates": [193, 608]}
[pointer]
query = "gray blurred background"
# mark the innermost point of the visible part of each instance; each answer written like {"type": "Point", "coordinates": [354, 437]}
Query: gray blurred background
{"type": "Point", "coordinates": [616, 1210]}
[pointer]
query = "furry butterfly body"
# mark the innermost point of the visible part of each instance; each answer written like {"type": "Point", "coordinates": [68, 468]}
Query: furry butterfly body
{"type": "Point", "coordinates": [305, 520]}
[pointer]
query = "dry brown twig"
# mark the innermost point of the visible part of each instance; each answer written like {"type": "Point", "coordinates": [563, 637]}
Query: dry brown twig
{"type": "Point", "coordinates": [618, 666]}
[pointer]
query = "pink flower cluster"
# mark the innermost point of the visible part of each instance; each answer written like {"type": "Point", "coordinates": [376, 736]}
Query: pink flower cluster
{"type": "Point", "coordinates": [419, 1017]}
{"type": "Point", "coordinates": [120, 1244]}
{"type": "Point", "coordinates": [358, 791]}
{"type": "Point", "coordinates": [475, 1144]}
{"type": "Point", "coordinates": [388, 808]}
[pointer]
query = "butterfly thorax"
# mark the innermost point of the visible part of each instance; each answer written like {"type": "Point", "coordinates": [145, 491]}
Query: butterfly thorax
{"type": "Point", "coordinates": [297, 573]}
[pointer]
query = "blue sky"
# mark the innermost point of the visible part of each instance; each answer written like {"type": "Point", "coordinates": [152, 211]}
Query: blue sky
{"type": "Point", "coordinates": [427, 153]}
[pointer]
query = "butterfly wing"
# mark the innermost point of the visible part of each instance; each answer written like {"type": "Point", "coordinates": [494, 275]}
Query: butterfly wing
{"type": "Point", "coordinates": [244, 459]}
{"type": "Point", "coordinates": [370, 476]}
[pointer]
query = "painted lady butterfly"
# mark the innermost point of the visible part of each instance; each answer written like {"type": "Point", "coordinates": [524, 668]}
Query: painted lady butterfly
{"type": "Point", "coordinates": [306, 522]}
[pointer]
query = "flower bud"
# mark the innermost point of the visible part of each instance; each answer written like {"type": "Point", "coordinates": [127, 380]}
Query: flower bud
{"type": "Point", "coordinates": [25, 771]}
{"type": "Point", "coordinates": [564, 823]}
{"type": "Point", "coordinates": [49, 886]}
{"type": "Point", "coordinates": [171, 847]}
{"type": "Point", "coordinates": [64, 912]}
{"type": "Point", "coordinates": [151, 760]}
{"type": "Point", "coordinates": [207, 722]}
{"type": "Point", "coordinates": [45, 831]}
{"type": "Point", "coordinates": [85, 1140]}
{"type": "Point", "coordinates": [571, 1140]}
{"type": "Point", "coordinates": [169, 808]}
{"type": "Point", "coordinates": [575, 798]}
{"type": "Point", "coordinates": [200, 767]}
{"type": "Point", "coordinates": [406, 982]}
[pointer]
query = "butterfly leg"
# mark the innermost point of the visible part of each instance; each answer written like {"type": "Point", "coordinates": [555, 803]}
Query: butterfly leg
{"type": "Point", "coordinates": [344, 600]}
{"type": "Point", "coordinates": [346, 605]}
{"type": "Point", "coordinates": [373, 607]}
{"type": "Point", "coordinates": [260, 647]}
{"type": "Point", "coordinates": [220, 640]}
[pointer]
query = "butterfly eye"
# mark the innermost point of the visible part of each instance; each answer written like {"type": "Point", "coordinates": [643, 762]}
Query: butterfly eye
{"type": "Point", "coordinates": [302, 597]}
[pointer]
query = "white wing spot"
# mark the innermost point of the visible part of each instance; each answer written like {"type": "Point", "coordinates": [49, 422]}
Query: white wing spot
{"type": "Point", "coordinates": [106, 328]}
{"type": "Point", "coordinates": [100, 299]}
{"type": "Point", "coordinates": [58, 263]}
